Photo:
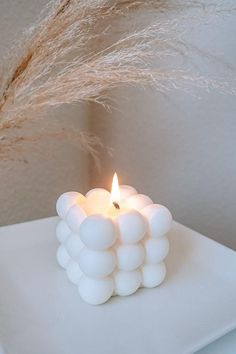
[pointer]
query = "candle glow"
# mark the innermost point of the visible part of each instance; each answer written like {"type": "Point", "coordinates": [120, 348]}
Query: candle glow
{"type": "Point", "coordinates": [115, 192]}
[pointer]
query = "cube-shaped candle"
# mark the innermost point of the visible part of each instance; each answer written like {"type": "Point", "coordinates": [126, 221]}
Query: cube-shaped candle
{"type": "Point", "coordinates": [112, 243]}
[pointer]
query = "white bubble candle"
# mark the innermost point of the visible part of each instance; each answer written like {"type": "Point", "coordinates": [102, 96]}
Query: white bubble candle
{"type": "Point", "coordinates": [112, 243]}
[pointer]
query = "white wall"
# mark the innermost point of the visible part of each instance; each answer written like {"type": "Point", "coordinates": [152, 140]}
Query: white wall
{"type": "Point", "coordinates": [29, 189]}
{"type": "Point", "coordinates": [181, 149]}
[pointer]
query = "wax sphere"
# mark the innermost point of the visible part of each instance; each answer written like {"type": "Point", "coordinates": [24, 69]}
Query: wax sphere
{"type": "Point", "coordinates": [126, 191]}
{"type": "Point", "coordinates": [126, 283]}
{"type": "Point", "coordinates": [62, 231]}
{"type": "Point", "coordinates": [95, 291]}
{"type": "Point", "coordinates": [138, 201]}
{"type": "Point", "coordinates": [159, 219]}
{"type": "Point", "coordinates": [132, 226]}
{"type": "Point", "coordinates": [130, 257]}
{"type": "Point", "coordinates": [63, 256]}
{"type": "Point", "coordinates": [97, 232]}
{"type": "Point", "coordinates": [153, 274]}
{"type": "Point", "coordinates": [74, 217]}
{"type": "Point", "coordinates": [73, 245]}
{"type": "Point", "coordinates": [67, 200]}
{"type": "Point", "coordinates": [73, 271]}
{"type": "Point", "coordinates": [156, 249]}
{"type": "Point", "coordinates": [96, 264]}
{"type": "Point", "coordinates": [97, 200]}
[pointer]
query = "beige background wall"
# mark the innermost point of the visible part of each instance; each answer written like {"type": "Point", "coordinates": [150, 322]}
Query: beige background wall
{"type": "Point", "coordinates": [181, 149]}
{"type": "Point", "coordinates": [28, 190]}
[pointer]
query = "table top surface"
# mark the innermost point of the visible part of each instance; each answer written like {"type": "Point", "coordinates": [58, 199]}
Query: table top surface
{"type": "Point", "coordinates": [42, 313]}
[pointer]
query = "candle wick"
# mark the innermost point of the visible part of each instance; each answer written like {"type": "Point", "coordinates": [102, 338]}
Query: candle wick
{"type": "Point", "coordinates": [116, 205]}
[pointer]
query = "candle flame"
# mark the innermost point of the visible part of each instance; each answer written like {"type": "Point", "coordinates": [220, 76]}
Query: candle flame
{"type": "Point", "coordinates": [115, 192]}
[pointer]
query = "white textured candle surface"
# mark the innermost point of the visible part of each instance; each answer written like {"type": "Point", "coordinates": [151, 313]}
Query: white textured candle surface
{"type": "Point", "coordinates": [97, 264]}
{"type": "Point", "coordinates": [126, 191]}
{"type": "Point", "coordinates": [63, 256]}
{"type": "Point", "coordinates": [97, 200]}
{"type": "Point", "coordinates": [153, 274]}
{"type": "Point", "coordinates": [138, 201]}
{"type": "Point", "coordinates": [130, 257]}
{"type": "Point", "coordinates": [132, 226]}
{"type": "Point", "coordinates": [156, 249]}
{"type": "Point", "coordinates": [67, 200]}
{"type": "Point", "coordinates": [73, 271]}
{"type": "Point", "coordinates": [74, 217]}
{"type": "Point", "coordinates": [159, 219]}
{"type": "Point", "coordinates": [95, 291]}
{"type": "Point", "coordinates": [98, 232]}
{"type": "Point", "coordinates": [62, 231]}
{"type": "Point", "coordinates": [112, 243]}
{"type": "Point", "coordinates": [126, 283]}
{"type": "Point", "coordinates": [73, 245]}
